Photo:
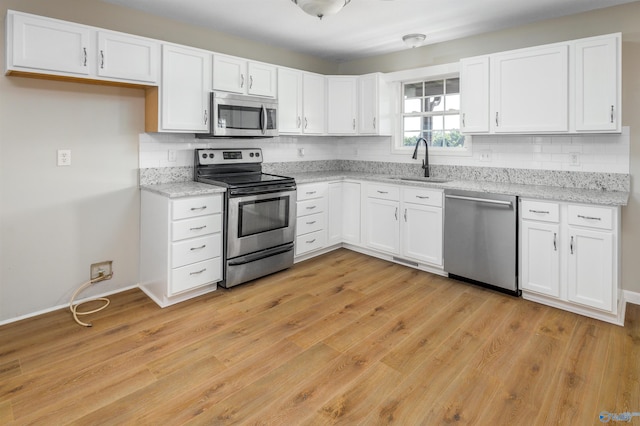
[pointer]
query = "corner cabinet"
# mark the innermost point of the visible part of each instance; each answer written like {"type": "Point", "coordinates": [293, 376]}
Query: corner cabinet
{"type": "Point", "coordinates": [182, 104]}
{"type": "Point", "coordinates": [374, 105]}
{"type": "Point", "coordinates": [301, 102]}
{"type": "Point", "coordinates": [180, 246]}
{"type": "Point", "coordinates": [342, 105]}
{"type": "Point", "coordinates": [569, 257]}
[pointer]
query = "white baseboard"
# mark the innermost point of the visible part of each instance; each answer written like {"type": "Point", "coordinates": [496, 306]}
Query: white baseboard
{"type": "Point", "coordinates": [632, 297]}
{"type": "Point", "coordinates": [66, 305]}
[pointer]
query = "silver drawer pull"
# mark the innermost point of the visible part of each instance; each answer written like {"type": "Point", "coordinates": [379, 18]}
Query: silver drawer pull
{"type": "Point", "coordinates": [539, 211]}
{"type": "Point", "coordinates": [383, 192]}
{"type": "Point", "coordinates": [310, 192]}
{"type": "Point", "coordinates": [198, 272]}
{"type": "Point", "coordinates": [198, 208]}
{"type": "Point", "coordinates": [312, 241]}
{"type": "Point", "coordinates": [422, 197]}
{"type": "Point", "coordinates": [198, 248]}
{"type": "Point", "coordinates": [311, 207]}
{"type": "Point", "coordinates": [198, 228]}
{"type": "Point", "coordinates": [589, 217]}
{"type": "Point", "coordinates": [311, 223]}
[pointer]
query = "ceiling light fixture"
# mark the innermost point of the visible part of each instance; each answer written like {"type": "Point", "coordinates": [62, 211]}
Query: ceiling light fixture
{"type": "Point", "coordinates": [414, 40]}
{"type": "Point", "coordinates": [321, 8]}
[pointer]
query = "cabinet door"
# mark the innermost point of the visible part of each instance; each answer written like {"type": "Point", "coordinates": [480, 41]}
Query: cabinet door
{"type": "Point", "coordinates": [368, 105]}
{"type": "Point", "coordinates": [540, 257]}
{"type": "Point", "coordinates": [289, 101]}
{"type": "Point", "coordinates": [474, 94]}
{"type": "Point", "coordinates": [186, 87]}
{"type": "Point", "coordinates": [262, 79]}
{"type": "Point", "coordinates": [530, 90]}
{"type": "Point", "coordinates": [422, 233]}
{"type": "Point", "coordinates": [313, 103]}
{"type": "Point", "coordinates": [597, 80]}
{"type": "Point", "coordinates": [341, 105]}
{"type": "Point", "coordinates": [50, 45]}
{"type": "Point", "coordinates": [229, 74]}
{"type": "Point", "coordinates": [351, 212]}
{"type": "Point", "coordinates": [334, 211]}
{"type": "Point", "coordinates": [383, 225]}
{"type": "Point", "coordinates": [590, 277]}
{"type": "Point", "coordinates": [128, 58]}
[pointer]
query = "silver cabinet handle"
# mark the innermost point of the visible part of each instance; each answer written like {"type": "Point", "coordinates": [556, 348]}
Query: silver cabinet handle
{"type": "Point", "coordinates": [298, 122]}
{"type": "Point", "coordinates": [310, 192]}
{"type": "Point", "coordinates": [250, 82]}
{"type": "Point", "coordinates": [405, 215]}
{"type": "Point", "coordinates": [102, 59]}
{"type": "Point", "coordinates": [206, 117]}
{"type": "Point", "coordinates": [311, 207]}
{"type": "Point", "coordinates": [480, 200]}
{"type": "Point", "coordinates": [555, 242]}
{"type": "Point", "coordinates": [539, 211]}
{"type": "Point", "coordinates": [496, 118]}
{"type": "Point", "coordinates": [396, 213]}
{"type": "Point", "coordinates": [354, 124]}
{"type": "Point", "coordinates": [312, 241]}
{"type": "Point", "coordinates": [198, 248]}
{"type": "Point", "coordinates": [306, 123]}
{"type": "Point", "coordinates": [241, 80]}
{"type": "Point", "coordinates": [589, 217]}
{"type": "Point", "coordinates": [612, 113]}
{"type": "Point", "coordinates": [311, 223]}
{"type": "Point", "coordinates": [198, 272]}
{"type": "Point", "coordinates": [382, 192]}
{"type": "Point", "coordinates": [463, 119]}
{"type": "Point", "coordinates": [571, 244]}
{"type": "Point", "coordinates": [422, 197]}
{"type": "Point", "coordinates": [199, 228]}
{"type": "Point", "coordinates": [198, 208]}
{"type": "Point", "coordinates": [84, 63]}
{"type": "Point", "coordinates": [374, 122]}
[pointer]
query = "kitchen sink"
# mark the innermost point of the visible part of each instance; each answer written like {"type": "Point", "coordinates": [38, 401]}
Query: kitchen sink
{"type": "Point", "coordinates": [424, 179]}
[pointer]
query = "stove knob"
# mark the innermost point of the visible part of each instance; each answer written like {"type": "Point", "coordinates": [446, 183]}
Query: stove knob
{"type": "Point", "coordinates": [204, 155]}
{"type": "Point", "coordinates": [251, 154]}
{"type": "Point", "coordinates": [257, 154]}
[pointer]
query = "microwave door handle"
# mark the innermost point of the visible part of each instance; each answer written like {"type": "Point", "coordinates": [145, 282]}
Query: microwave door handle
{"type": "Point", "coordinates": [263, 119]}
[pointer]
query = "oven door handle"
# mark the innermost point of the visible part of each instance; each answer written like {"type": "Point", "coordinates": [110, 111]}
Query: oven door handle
{"type": "Point", "coordinates": [261, 255]}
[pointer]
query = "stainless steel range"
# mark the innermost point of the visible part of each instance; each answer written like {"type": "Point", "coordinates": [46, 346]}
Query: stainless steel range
{"type": "Point", "coordinates": [259, 215]}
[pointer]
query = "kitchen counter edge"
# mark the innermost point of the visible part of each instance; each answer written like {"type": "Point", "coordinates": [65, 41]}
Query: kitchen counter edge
{"type": "Point", "coordinates": [183, 189]}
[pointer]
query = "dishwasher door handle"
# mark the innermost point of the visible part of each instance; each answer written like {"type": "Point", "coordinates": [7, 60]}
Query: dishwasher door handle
{"type": "Point", "coordinates": [480, 200]}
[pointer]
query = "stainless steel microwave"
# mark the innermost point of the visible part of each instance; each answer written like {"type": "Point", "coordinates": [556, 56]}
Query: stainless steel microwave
{"type": "Point", "coordinates": [241, 116]}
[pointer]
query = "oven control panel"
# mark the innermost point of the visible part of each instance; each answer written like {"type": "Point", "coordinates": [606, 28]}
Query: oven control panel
{"type": "Point", "coordinates": [228, 156]}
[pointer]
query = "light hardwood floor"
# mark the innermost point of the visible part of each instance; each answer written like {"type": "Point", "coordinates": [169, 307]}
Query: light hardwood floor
{"type": "Point", "coordinates": [342, 338]}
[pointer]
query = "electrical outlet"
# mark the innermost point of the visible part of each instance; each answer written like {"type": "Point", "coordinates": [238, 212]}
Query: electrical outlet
{"type": "Point", "coordinates": [172, 156]}
{"type": "Point", "coordinates": [575, 158]}
{"type": "Point", "coordinates": [64, 157]}
{"type": "Point", "coordinates": [485, 155]}
{"type": "Point", "coordinates": [102, 270]}
{"type": "Point", "coordinates": [300, 152]}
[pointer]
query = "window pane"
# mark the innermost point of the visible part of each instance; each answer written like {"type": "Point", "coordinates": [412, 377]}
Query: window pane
{"type": "Point", "coordinates": [452, 122]}
{"type": "Point", "coordinates": [412, 124]}
{"type": "Point", "coordinates": [410, 138]}
{"type": "Point", "coordinates": [434, 88]}
{"type": "Point", "coordinates": [453, 85]}
{"type": "Point", "coordinates": [452, 102]}
{"type": "Point", "coordinates": [453, 139]}
{"type": "Point", "coordinates": [432, 123]}
{"type": "Point", "coordinates": [435, 103]}
{"type": "Point", "coordinates": [413, 90]}
{"type": "Point", "coordinates": [413, 105]}
{"type": "Point", "coordinates": [434, 138]}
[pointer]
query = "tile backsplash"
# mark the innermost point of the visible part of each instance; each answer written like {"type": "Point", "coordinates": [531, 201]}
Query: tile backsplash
{"type": "Point", "coordinates": [579, 153]}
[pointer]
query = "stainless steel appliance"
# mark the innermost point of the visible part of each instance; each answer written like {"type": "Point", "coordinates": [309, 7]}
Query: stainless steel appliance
{"type": "Point", "coordinates": [480, 239]}
{"type": "Point", "coordinates": [259, 215]}
{"type": "Point", "coordinates": [242, 116]}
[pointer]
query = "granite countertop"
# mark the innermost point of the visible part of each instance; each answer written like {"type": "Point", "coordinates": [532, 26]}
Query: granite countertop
{"type": "Point", "coordinates": [590, 196]}
{"type": "Point", "coordinates": [183, 189]}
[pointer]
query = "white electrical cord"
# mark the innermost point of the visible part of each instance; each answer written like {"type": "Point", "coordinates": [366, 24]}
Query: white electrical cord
{"type": "Point", "coordinates": [74, 308]}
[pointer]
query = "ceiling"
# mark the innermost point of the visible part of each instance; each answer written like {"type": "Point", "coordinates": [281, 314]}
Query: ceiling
{"type": "Point", "coordinates": [364, 27]}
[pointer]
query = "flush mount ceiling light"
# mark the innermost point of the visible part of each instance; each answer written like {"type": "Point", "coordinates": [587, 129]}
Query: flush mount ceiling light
{"type": "Point", "coordinates": [321, 8]}
{"type": "Point", "coordinates": [414, 40]}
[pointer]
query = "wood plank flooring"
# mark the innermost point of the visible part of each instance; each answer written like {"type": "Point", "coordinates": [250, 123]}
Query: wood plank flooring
{"type": "Point", "coordinates": [339, 339]}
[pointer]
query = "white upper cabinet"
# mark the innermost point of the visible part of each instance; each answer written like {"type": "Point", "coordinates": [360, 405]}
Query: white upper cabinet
{"type": "Point", "coordinates": [530, 90]}
{"type": "Point", "coordinates": [474, 103]}
{"type": "Point", "coordinates": [598, 84]}
{"type": "Point", "coordinates": [342, 105]}
{"type": "Point", "coordinates": [42, 44]}
{"type": "Point", "coordinates": [48, 46]}
{"type": "Point", "coordinates": [289, 101]}
{"type": "Point", "coordinates": [127, 57]}
{"type": "Point", "coordinates": [374, 109]}
{"type": "Point", "coordinates": [185, 90]}
{"type": "Point", "coordinates": [313, 104]}
{"type": "Point", "coordinates": [237, 75]}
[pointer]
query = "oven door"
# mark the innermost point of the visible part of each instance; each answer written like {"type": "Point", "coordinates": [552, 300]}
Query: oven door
{"type": "Point", "coordinates": [243, 116]}
{"type": "Point", "coordinates": [258, 222]}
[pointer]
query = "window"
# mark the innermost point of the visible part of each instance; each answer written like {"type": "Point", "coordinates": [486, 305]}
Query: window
{"type": "Point", "coordinates": [431, 110]}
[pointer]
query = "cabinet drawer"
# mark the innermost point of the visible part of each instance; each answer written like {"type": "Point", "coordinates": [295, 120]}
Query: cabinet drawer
{"type": "Point", "coordinates": [313, 241]}
{"type": "Point", "coordinates": [195, 250]}
{"type": "Point", "coordinates": [590, 216]}
{"type": "Point", "coordinates": [310, 223]}
{"type": "Point", "coordinates": [540, 210]}
{"type": "Point", "coordinates": [313, 190]}
{"type": "Point", "coordinates": [308, 207]}
{"type": "Point", "coordinates": [196, 206]}
{"type": "Point", "coordinates": [384, 192]}
{"type": "Point", "coordinates": [427, 197]}
{"type": "Point", "coordinates": [195, 275]}
{"type": "Point", "coordinates": [196, 227]}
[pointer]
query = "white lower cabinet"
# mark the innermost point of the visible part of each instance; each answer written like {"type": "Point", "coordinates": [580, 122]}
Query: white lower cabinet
{"type": "Point", "coordinates": [569, 257]}
{"type": "Point", "coordinates": [180, 246]}
{"type": "Point", "coordinates": [311, 222]}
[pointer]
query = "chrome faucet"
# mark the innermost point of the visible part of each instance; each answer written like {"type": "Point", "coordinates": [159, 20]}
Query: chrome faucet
{"type": "Point", "coordinates": [425, 162]}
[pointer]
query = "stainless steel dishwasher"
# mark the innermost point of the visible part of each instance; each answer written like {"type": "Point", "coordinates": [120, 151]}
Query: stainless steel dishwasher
{"type": "Point", "coordinates": [480, 239]}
